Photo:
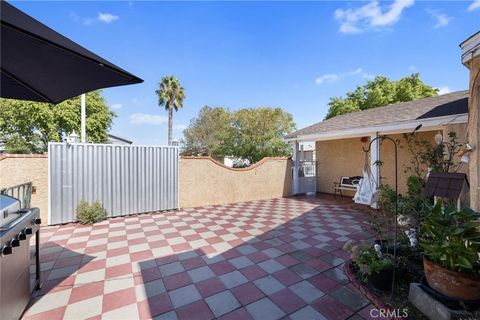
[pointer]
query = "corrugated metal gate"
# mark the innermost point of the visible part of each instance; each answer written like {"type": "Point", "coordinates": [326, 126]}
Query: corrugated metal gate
{"type": "Point", "coordinates": [127, 179]}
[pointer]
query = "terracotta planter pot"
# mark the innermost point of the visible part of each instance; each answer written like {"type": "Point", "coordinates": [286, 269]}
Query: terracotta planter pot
{"type": "Point", "coordinates": [451, 283]}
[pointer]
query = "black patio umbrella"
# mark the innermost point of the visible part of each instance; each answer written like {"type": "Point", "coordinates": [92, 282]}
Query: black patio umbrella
{"type": "Point", "coordinates": [39, 64]}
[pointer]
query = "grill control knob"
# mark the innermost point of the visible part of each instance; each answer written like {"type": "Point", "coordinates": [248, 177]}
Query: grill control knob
{"type": "Point", "coordinates": [6, 250]}
{"type": "Point", "coordinates": [37, 221]}
{"type": "Point", "coordinates": [27, 230]}
{"type": "Point", "coordinates": [22, 236]}
{"type": "Point", "coordinates": [14, 243]}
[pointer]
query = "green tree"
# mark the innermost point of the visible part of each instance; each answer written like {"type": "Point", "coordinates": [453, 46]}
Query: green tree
{"type": "Point", "coordinates": [250, 134]}
{"type": "Point", "coordinates": [170, 95]}
{"type": "Point", "coordinates": [259, 133]}
{"type": "Point", "coordinates": [208, 133]}
{"type": "Point", "coordinates": [380, 92]}
{"type": "Point", "coordinates": [28, 126]}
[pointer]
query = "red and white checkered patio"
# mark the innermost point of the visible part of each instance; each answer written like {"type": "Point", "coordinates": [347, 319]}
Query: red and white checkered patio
{"type": "Point", "coordinates": [269, 259]}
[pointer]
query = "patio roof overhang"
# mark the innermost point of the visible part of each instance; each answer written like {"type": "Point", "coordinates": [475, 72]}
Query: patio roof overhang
{"type": "Point", "coordinates": [428, 124]}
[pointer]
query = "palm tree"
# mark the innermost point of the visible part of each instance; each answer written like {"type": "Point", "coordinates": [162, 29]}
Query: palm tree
{"type": "Point", "coordinates": [170, 95]}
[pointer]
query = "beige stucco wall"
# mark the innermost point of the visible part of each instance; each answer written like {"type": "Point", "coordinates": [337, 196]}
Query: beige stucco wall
{"type": "Point", "coordinates": [474, 132]}
{"type": "Point", "coordinates": [18, 169]}
{"type": "Point", "coordinates": [203, 181]}
{"type": "Point", "coordinates": [336, 158]}
{"type": "Point", "coordinates": [345, 157]}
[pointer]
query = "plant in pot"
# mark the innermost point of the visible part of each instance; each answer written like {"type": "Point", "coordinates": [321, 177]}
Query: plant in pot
{"type": "Point", "coordinates": [373, 266]}
{"type": "Point", "coordinates": [450, 241]}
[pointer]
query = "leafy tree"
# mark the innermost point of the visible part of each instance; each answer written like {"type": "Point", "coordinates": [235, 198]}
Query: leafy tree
{"type": "Point", "coordinates": [207, 134]}
{"type": "Point", "coordinates": [250, 134]}
{"type": "Point", "coordinates": [380, 92]}
{"type": "Point", "coordinates": [28, 126]}
{"type": "Point", "coordinates": [170, 95]}
{"type": "Point", "coordinates": [259, 133]}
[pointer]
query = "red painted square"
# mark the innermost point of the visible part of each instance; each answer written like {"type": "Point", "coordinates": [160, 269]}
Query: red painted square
{"type": "Point", "coordinates": [318, 264]}
{"type": "Point", "coordinates": [287, 260]}
{"type": "Point", "coordinates": [117, 271]}
{"type": "Point", "coordinates": [257, 257]}
{"type": "Point", "coordinates": [193, 263]}
{"type": "Point", "coordinates": [93, 265]}
{"type": "Point", "coordinates": [230, 254]}
{"type": "Point", "coordinates": [210, 286]}
{"type": "Point", "coordinates": [95, 249]}
{"type": "Point", "coordinates": [154, 306]}
{"type": "Point", "coordinates": [331, 308]}
{"type": "Point", "coordinates": [147, 275]}
{"type": "Point", "coordinates": [69, 261]}
{"type": "Point", "coordinates": [287, 277]}
{"type": "Point", "coordinates": [247, 293]}
{"type": "Point", "coordinates": [53, 314]}
{"type": "Point", "coordinates": [86, 291]}
{"type": "Point", "coordinates": [222, 267]}
{"type": "Point", "coordinates": [324, 283]}
{"type": "Point", "coordinates": [287, 248]}
{"type": "Point", "coordinates": [177, 280]}
{"type": "Point", "coordinates": [253, 272]}
{"type": "Point", "coordinates": [117, 252]}
{"type": "Point", "coordinates": [141, 255]}
{"type": "Point", "coordinates": [196, 310]}
{"type": "Point", "coordinates": [118, 299]}
{"type": "Point", "coordinates": [287, 300]}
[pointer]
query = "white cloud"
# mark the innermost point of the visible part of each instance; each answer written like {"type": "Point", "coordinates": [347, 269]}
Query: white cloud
{"type": "Point", "coordinates": [180, 127]}
{"type": "Point", "coordinates": [116, 106]}
{"type": "Point", "coordinates": [145, 118]}
{"type": "Point", "coordinates": [443, 90]}
{"type": "Point", "coordinates": [333, 77]}
{"type": "Point", "coordinates": [370, 15]}
{"type": "Point", "coordinates": [474, 5]}
{"type": "Point", "coordinates": [442, 19]}
{"type": "Point", "coordinates": [76, 18]}
{"type": "Point", "coordinates": [107, 17]}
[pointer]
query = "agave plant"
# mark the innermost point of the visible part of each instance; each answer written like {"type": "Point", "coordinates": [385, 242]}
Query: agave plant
{"type": "Point", "coordinates": [451, 239]}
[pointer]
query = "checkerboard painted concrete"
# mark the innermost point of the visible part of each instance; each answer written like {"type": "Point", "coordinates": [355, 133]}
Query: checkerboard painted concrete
{"type": "Point", "coordinates": [271, 259]}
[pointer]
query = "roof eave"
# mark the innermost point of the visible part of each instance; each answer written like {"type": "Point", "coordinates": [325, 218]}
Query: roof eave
{"type": "Point", "coordinates": [389, 128]}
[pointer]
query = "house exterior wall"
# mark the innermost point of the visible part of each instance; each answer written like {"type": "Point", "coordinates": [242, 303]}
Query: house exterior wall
{"type": "Point", "coordinates": [19, 169]}
{"type": "Point", "coordinates": [474, 132]}
{"type": "Point", "coordinates": [345, 157]}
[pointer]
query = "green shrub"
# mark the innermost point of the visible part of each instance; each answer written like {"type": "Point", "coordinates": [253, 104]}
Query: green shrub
{"type": "Point", "coordinates": [87, 214]}
{"type": "Point", "coordinates": [450, 238]}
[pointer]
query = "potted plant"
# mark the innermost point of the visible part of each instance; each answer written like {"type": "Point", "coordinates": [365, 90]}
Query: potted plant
{"type": "Point", "coordinates": [450, 241]}
{"type": "Point", "coordinates": [373, 266]}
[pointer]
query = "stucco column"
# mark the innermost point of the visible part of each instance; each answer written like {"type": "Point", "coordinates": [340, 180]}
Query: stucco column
{"type": "Point", "coordinates": [295, 158]}
{"type": "Point", "coordinates": [374, 158]}
{"type": "Point", "coordinates": [471, 59]}
{"type": "Point", "coordinates": [474, 133]}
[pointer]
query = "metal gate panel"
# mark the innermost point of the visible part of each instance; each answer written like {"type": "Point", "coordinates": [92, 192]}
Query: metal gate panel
{"type": "Point", "coordinates": [127, 179]}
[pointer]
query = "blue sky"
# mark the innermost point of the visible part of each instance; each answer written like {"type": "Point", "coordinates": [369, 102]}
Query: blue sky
{"type": "Point", "coordinates": [294, 55]}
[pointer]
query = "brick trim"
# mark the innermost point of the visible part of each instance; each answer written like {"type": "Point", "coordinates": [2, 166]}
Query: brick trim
{"type": "Point", "coordinates": [253, 166]}
{"type": "Point", "coordinates": [7, 156]}
{"type": "Point", "coordinates": [369, 294]}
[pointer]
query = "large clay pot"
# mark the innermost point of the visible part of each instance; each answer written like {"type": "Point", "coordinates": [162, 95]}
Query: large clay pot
{"type": "Point", "coordinates": [451, 283]}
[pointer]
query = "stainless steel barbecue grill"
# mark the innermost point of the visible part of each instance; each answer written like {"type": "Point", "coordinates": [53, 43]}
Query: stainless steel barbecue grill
{"type": "Point", "coordinates": [19, 256]}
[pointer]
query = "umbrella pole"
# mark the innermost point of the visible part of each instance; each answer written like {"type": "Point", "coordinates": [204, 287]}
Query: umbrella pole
{"type": "Point", "coordinates": [83, 116]}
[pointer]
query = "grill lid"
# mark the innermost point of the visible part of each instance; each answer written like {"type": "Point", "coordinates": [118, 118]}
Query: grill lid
{"type": "Point", "coordinates": [9, 207]}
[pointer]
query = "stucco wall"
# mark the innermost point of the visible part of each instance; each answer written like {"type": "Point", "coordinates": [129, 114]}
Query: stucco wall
{"type": "Point", "coordinates": [18, 169]}
{"type": "Point", "coordinates": [474, 132]}
{"type": "Point", "coordinates": [345, 157]}
{"type": "Point", "coordinates": [204, 181]}
{"type": "Point", "coordinates": [336, 158]}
